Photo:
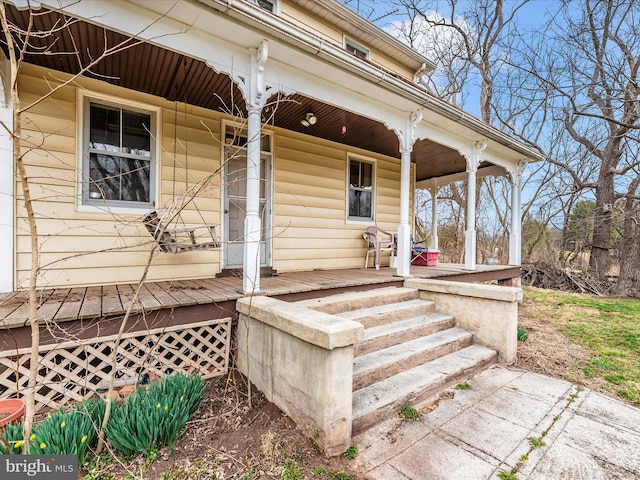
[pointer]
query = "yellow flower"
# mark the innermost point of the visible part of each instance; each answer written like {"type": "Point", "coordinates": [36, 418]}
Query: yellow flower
{"type": "Point", "coordinates": [63, 424]}
{"type": "Point", "coordinates": [83, 439]}
{"type": "Point", "coordinates": [159, 405]}
{"type": "Point", "coordinates": [32, 437]}
{"type": "Point", "coordinates": [43, 445]}
{"type": "Point", "coordinates": [18, 444]}
{"type": "Point", "coordinates": [181, 397]}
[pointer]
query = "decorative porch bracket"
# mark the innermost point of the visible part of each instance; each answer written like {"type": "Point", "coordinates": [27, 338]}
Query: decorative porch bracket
{"type": "Point", "coordinates": [407, 139]}
{"type": "Point", "coordinates": [302, 360]}
{"type": "Point", "coordinates": [473, 162]}
{"type": "Point", "coordinates": [255, 92]}
{"type": "Point", "coordinates": [7, 177]}
{"type": "Point", "coordinates": [515, 246]}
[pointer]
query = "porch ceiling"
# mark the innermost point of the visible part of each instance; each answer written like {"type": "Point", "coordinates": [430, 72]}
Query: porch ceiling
{"type": "Point", "coordinates": [144, 67]}
{"type": "Point", "coordinates": [431, 159]}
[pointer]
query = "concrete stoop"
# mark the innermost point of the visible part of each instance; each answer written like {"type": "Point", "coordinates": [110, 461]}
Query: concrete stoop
{"type": "Point", "coordinates": [409, 352]}
{"type": "Point", "coordinates": [384, 399]}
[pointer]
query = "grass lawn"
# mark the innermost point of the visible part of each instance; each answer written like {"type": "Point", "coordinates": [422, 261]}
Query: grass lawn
{"type": "Point", "coordinates": [609, 327]}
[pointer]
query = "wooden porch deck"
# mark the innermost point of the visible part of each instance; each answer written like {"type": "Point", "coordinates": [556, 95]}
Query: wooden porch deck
{"type": "Point", "coordinates": [68, 304]}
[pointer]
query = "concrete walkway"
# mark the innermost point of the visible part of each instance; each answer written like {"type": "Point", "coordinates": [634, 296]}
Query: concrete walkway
{"type": "Point", "coordinates": [477, 433]}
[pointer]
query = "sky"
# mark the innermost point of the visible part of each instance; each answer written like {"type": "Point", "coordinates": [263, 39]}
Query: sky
{"type": "Point", "coordinates": [381, 12]}
{"type": "Point", "coordinates": [531, 16]}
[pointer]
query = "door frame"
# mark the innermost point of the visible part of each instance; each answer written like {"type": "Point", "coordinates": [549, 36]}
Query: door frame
{"type": "Point", "coordinates": [266, 245]}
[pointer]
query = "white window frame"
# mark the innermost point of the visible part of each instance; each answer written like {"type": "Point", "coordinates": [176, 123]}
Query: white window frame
{"type": "Point", "coordinates": [373, 163]}
{"type": "Point", "coordinates": [350, 45]}
{"type": "Point", "coordinates": [84, 98]}
{"type": "Point", "coordinates": [275, 3]}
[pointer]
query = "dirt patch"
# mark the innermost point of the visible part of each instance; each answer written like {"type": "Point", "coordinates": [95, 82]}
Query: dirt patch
{"type": "Point", "coordinates": [228, 439]}
{"type": "Point", "coordinates": [550, 352]}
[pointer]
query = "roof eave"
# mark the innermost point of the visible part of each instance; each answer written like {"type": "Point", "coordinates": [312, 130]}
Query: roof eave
{"type": "Point", "coordinates": [333, 7]}
{"type": "Point", "coordinates": [301, 39]}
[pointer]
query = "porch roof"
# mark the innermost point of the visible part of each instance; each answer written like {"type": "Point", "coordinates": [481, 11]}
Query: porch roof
{"type": "Point", "coordinates": [178, 77]}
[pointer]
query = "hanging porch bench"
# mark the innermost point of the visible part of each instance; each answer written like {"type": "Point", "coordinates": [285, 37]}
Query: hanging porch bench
{"type": "Point", "coordinates": [177, 240]}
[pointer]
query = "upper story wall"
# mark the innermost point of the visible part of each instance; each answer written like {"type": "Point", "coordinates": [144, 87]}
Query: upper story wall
{"type": "Point", "coordinates": [318, 26]}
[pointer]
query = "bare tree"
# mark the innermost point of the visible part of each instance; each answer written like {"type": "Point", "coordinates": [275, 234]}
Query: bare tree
{"type": "Point", "coordinates": [14, 59]}
{"type": "Point", "coordinates": [590, 59]}
{"type": "Point", "coordinates": [629, 279]}
{"type": "Point", "coordinates": [611, 103]}
{"type": "Point", "coordinates": [468, 44]}
{"type": "Point", "coordinates": [469, 41]}
{"type": "Point", "coordinates": [570, 90]}
{"type": "Point", "coordinates": [424, 31]}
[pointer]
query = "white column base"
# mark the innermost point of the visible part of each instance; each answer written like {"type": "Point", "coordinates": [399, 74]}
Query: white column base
{"type": "Point", "coordinates": [514, 249]}
{"type": "Point", "coordinates": [251, 270]}
{"type": "Point", "coordinates": [470, 250]}
{"type": "Point", "coordinates": [403, 261]}
{"type": "Point", "coordinates": [515, 239]}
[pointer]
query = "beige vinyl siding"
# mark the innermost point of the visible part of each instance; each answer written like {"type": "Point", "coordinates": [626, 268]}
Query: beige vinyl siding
{"type": "Point", "coordinates": [388, 63]}
{"type": "Point", "coordinates": [95, 248]}
{"type": "Point", "coordinates": [310, 229]}
{"type": "Point", "coordinates": [320, 27]}
{"type": "Point", "coordinates": [311, 24]}
{"type": "Point", "coordinates": [310, 226]}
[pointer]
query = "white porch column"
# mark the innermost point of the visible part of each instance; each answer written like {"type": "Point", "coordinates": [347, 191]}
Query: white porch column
{"type": "Point", "coordinates": [252, 221]}
{"type": "Point", "coordinates": [407, 139]}
{"type": "Point", "coordinates": [256, 98]}
{"type": "Point", "coordinates": [7, 179]}
{"type": "Point", "coordinates": [403, 265]}
{"type": "Point", "coordinates": [515, 237]}
{"type": "Point", "coordinates": [473, 162]}
{"type": "Point", "coordinates": [434, 214]}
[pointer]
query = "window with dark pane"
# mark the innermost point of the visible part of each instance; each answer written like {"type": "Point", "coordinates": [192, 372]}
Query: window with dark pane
{"type": "Point", "coordinates": [360, 189]}
{"type": "Point", "coordinates": [356, 49]}
{"type": "Point", "coordinates": [120, 154]}
{"type": "Point", "coordinates": [268, 5]}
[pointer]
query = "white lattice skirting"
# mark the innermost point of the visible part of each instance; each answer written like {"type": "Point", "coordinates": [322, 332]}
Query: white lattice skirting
{"type": "Point", "coordinates": [71, 371]}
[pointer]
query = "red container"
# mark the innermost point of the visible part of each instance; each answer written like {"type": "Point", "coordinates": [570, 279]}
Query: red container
{"type": "Point", "coordinates": [432, 258]}
{"type": "Point", "coordinates": [423, 257]}
{"type": "Point", "coordinates": [11, 409]}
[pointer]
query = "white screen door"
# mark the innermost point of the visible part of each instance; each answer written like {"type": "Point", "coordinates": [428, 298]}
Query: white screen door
{"type": "Point", "coordinates": [235, 207]}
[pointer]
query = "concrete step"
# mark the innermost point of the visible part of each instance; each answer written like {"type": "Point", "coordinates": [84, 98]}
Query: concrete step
{"type": "Point", "coordinates": [346, 302]}
{"type": "Point", "coordinates": [388, 335]}
{"type": "Point", "coordinates": [385, 399]}
{"type": "Point", "coordinates": [381, 364]}
{"type": "Point", "coordinates": [390, 312]}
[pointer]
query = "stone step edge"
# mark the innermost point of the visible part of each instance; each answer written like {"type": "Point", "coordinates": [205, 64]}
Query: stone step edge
{"type": "Point", "coordinates": [418, 346]}
{"type": "Point", "coordinates": [349, 301]}
{"type": "Point", "coordinates": [385, 363]}
{"type": "Point", "coordinates": [429, 319]}
{"type": "Point", "coordinates": [383, 400]}
{"type": "Point", "coordinates": [390, 309]}
{"type": "Point", "coordinates": [387, 335]}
